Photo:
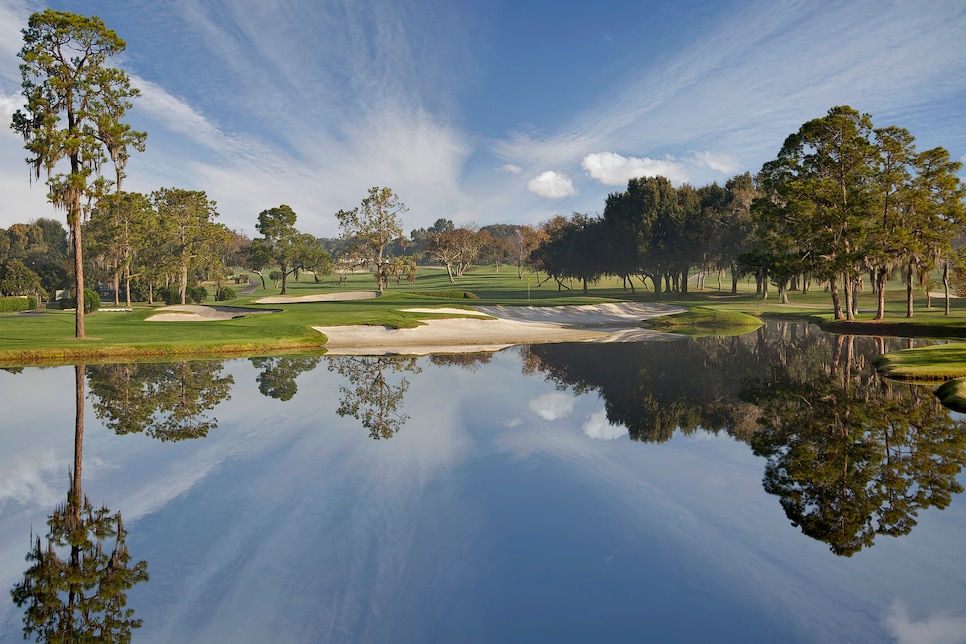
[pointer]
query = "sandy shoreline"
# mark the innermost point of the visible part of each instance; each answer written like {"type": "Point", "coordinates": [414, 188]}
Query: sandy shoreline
{"type": "Point", "coordinates": [481, 328]}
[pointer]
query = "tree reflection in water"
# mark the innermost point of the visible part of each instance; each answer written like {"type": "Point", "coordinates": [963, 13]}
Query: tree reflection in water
{"type": "Point", "coordinates": [167, 401]}
{"type": "Point", "coordinates": [277, 379]}
{"type": "Point", "coordinates": [850, 454]}
{"type": "Point", "coordinates": [371, 395]}
{"type": "Point", "coordinates": [467, 361]}
{"type": "Point", "coordinates": [75, 590]}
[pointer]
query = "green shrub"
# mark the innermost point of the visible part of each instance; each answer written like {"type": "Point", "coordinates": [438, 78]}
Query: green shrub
{"type": "Point", "coordinates": [226, 293]}
{"type": "Point", "coordinates": [92, 301]}
{"type": "Point", "coordinates": [10, 304]}
{"type": "Point", "coordinates": [169, 295]}
{"type": "Point", "coordinates": [196, 294]}
{"type": "Point", "coordinates": [139, 291]}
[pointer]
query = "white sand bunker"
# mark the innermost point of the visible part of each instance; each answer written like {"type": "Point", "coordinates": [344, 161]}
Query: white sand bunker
{"type": "Point", "coordinates": [617, 322]}
{"type": "Point", "coordinates": [584, 315]}
{"type": "Point", "coordinates": [319, 297]}
{"type": "Point", "coordinates": [200, 313]}
{"type": "Point", "coordinates": [449, 311]}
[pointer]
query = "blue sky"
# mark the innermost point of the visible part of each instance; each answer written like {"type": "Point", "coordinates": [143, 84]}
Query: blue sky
{"type": "Point", "coordinates": [492, 111]}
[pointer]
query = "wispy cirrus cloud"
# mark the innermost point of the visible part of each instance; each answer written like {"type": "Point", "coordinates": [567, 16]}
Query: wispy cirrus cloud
{"type": "Point", "coordinates": [740, 89]}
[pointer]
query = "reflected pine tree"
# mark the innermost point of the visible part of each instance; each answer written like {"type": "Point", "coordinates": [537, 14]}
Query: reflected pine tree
{"type": "Point", "coordinates": [277, 379]}
{"type": "Point", "coordinates": [75, 589]}
{"type": "Point", "coordinates": [375, 391]}
{"type": "Point", "coordinates": [167, 401]}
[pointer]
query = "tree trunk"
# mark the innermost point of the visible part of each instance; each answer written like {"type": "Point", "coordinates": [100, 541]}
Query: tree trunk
{"type": "Point", "coordinates": [449, 272]}
{"type": "Point", "coordinates": [78, 273]}
{"type": "Point", "coordinates": [879, 286]}
{"type": "Point", "coordinates": [848, 285]}
{"type": "Point", "coordinates": [833, 286]}
{"type": "Point", "coordinates": [783, 291]}
{"type": "Point", "coordinates": [946, 286]}
{"type": "Point", "coordinates": [127, 285]}
{"type": "Point", "coordinates": [183, 281]}
{"type": "Point", "coordinates": [909, 291]}
{"type": "Point", "coordinates": [734, 278]}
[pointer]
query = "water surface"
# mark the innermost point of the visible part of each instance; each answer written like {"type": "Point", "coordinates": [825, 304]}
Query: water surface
{"type": "Point", "coordinates": [763, 488]}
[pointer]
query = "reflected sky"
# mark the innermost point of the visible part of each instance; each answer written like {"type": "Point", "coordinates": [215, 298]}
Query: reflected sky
{"type": "Point", "coordinates": [505, 509]}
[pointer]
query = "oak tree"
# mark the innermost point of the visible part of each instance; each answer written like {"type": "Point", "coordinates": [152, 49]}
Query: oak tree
{"type": "Point", "coordinates": [374, 224]}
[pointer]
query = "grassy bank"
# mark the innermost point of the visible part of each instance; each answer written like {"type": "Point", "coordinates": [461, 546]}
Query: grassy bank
{"type": "Point", "coordinates": [703, 320]}
{"type": "Point", "coordinates": [47, 337]}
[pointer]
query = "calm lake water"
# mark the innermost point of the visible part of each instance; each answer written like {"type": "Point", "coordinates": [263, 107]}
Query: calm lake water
{"type": "Point", "coordinates": [763, 488]}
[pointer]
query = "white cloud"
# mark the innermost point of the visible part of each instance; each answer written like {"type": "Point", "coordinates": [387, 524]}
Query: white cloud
{"type": "Point", "coordinates": [510, 168]}
{"type": "Point", "coordinates": [934, 629]}
{"type": "Point", "coordinates": [723, 163]}
{"type": "Point", "coordinates": [613, 169]}
{"type": "Point", "coordinates": [552, 185]}
{"type": "Point", "coordinates": [597, 426]}
{"type": "Point", "coordinates": [552, 406]}
{"type": "Point", "coordinates": [9, 105]}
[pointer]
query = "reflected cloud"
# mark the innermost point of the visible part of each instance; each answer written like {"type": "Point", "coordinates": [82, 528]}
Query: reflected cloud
{"type": "Point", "coordinates": [597, 426]}
{"type": "Point", "coordinates": [26, 478]}
{"type": "Point", "coordinates": [552, 406]}
{"type": "Point", "coordinates": [933, 629]}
